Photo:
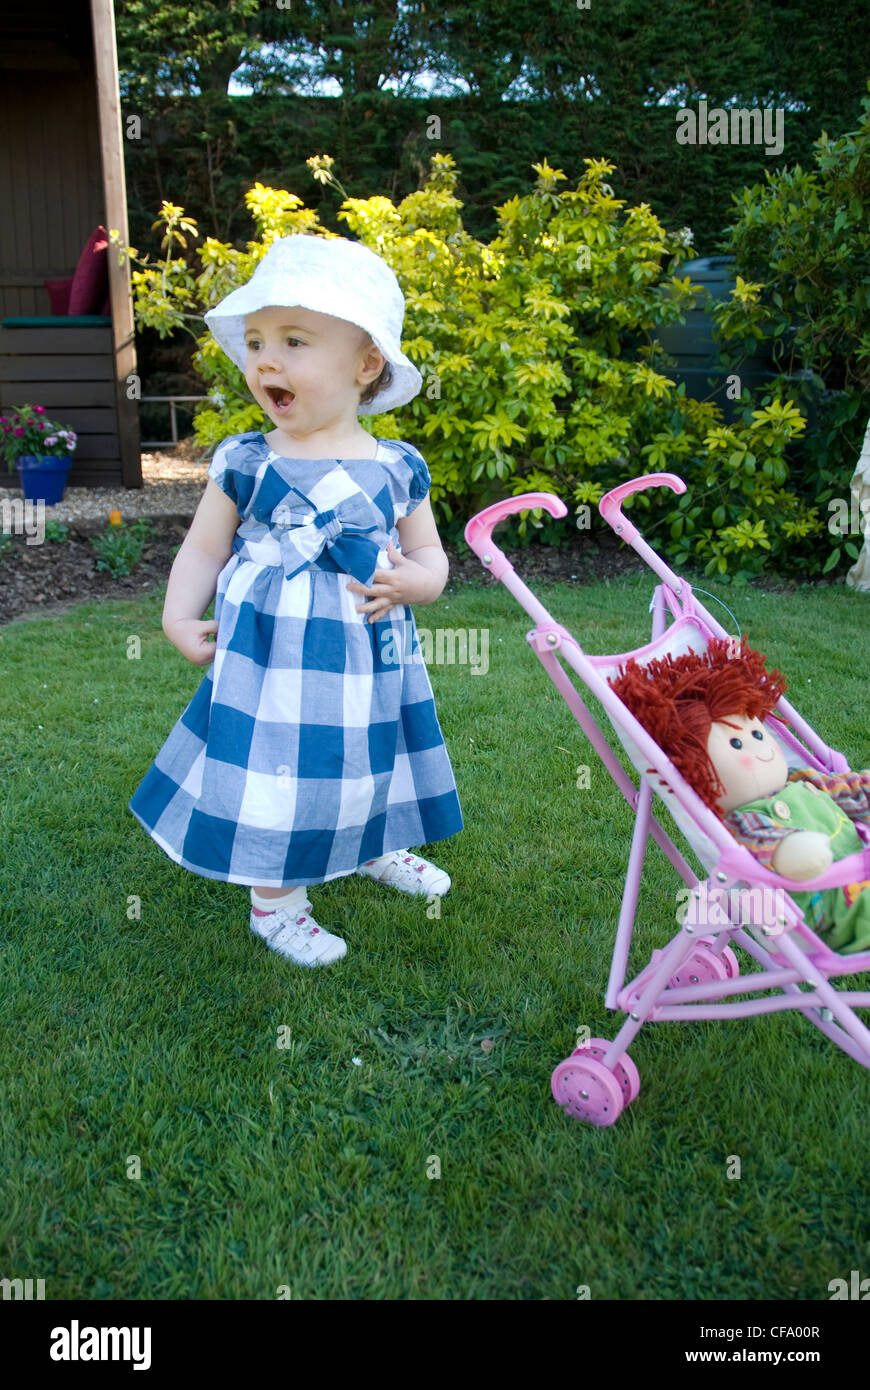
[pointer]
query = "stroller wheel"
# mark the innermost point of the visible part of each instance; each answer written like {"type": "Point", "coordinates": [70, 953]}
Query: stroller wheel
{"type": "Point", "coordinates": [586, 1090]}
{"type": "Point", "coordinates": [703, 967]}
{"type": "Point", "coordinates": [727, 956]}
{"type": "Point", "coordinates": [625, 1071]}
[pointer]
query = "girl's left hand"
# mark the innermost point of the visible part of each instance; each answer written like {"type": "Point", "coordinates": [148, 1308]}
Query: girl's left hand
{"type": "Point", "coordinates": [407, 583]}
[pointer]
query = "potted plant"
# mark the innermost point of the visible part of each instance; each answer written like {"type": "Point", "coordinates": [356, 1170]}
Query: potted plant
{"type": "Point", "coordinates": [39, 449]}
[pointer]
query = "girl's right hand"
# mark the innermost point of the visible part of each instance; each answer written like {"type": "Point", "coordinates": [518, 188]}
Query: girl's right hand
{"type": "Point", "coordinates": [190, 636]}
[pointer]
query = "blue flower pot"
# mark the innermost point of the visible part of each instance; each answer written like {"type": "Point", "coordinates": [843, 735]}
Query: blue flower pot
{"type": "Point", "coordinates": [43, 479]}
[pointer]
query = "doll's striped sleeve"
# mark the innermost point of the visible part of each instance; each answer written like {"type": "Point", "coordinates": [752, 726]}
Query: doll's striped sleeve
{"type": "Point", "coordinates": [757, 833]}
{"type": "Point", "coordinates": [850, 790]}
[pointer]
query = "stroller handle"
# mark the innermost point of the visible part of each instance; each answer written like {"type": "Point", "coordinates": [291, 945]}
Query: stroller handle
{"type": "Point", "coordinates": [610, 508]}
{"type": "Point", "coordinates": [610, 505]}
{"type": "Point", "coordinates": [478, 532]}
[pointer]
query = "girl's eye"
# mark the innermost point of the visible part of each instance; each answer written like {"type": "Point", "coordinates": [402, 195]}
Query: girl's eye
{"type": "Point", "coordinates": [756, 733]}
{"type": "Point", "coordinates": [254, 344]}
{"type": "Point", "coordinates": [736, 742]}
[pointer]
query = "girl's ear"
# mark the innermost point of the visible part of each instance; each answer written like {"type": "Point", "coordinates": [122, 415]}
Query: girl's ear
{"type": "Point", "coordinates": [372, 362]}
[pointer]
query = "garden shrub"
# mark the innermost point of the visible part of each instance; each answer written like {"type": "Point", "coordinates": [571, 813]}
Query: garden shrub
{"type": "Point", "coordinates": [802, 240]}
{"type": "Point", "coordinates": [539, 355]}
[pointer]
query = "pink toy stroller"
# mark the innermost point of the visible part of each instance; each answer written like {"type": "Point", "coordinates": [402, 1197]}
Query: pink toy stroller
{"type": "Point", "coordinates": [694, 976]}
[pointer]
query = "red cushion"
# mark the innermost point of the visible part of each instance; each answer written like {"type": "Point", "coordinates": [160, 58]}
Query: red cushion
{"type": "Point", "coordinates": [58, 293]}
{"type": "Point", "coordinates": [106, 310]}
{"type": "Point", "coordinates": [90, 284]}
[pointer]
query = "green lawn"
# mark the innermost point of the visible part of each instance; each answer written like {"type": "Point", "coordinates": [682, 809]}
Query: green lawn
{"type": "Point", "coordinates": [156, 1039]}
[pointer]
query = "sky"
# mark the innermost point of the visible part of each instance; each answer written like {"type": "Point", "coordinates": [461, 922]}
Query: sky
{"type": "Point", "coordinates": [435, 85]}
{"type": "Point", "coordinates": [426, 84]}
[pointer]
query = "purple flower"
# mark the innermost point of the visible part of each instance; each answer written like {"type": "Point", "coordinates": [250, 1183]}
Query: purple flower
{"type": "Point", "coordinates": [39, 410]}
{"type": "Point", "coordinates": [19, 431]}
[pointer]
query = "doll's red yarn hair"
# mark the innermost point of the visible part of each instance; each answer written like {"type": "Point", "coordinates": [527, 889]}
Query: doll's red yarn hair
{"type": "Point", "coordinates": [677, 699]}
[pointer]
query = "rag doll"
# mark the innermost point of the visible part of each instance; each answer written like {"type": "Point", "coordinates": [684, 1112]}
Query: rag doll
{"type": "Point", "coordinates": [705, 712]}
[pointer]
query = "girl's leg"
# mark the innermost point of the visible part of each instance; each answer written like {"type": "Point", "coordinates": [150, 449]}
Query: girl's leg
{"type": "Point", "coordinates": [266, 900]}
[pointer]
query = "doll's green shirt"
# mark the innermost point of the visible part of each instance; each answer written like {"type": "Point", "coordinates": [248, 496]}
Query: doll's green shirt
{"type": "Point", "coordinates": [801, 806]}
{"type": "Point", "coordinates": [840, 916]}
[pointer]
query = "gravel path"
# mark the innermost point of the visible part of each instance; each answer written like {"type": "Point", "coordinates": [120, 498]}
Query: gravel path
{"type": "Point", "coordinates": [172, 486]}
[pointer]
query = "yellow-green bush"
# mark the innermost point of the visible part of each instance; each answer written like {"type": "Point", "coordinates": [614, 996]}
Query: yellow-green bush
{"type": "Point", "coordinates": [539, 357]}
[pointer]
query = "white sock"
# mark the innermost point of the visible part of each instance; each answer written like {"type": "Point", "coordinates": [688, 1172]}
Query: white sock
{"type": "Point", "coordinates": [290, 900]}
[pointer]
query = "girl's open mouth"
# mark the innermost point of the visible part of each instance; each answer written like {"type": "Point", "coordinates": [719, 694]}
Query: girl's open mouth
{"type": "Point", "coordinates": [281, 399]}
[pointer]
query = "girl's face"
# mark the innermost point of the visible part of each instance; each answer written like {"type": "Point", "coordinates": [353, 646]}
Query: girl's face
{"type": "Point", "coordinates": [306, 370]}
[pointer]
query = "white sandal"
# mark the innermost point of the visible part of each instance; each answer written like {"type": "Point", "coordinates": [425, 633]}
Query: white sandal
{"type": "Point", "coordinates": [297, 936]}
{"type": "Point", "coordinates": [408, 872]}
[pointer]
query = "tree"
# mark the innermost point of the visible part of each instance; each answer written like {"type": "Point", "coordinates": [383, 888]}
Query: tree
{"type": "Point", "coordinates": [170, 47]}
{"type": "Point", "coordinates": [623, 54]}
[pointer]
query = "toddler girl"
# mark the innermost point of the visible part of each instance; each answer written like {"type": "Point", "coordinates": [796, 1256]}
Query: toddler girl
{"type": "Point", "coordinates": [312, 748]}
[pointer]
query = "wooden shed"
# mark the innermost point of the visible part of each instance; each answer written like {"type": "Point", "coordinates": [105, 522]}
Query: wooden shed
{"type": "Point", "coordinates": [61, 177]}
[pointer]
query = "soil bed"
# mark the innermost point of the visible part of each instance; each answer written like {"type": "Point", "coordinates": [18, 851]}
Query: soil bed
{"type": "Point", "coordinates": [52, 578]}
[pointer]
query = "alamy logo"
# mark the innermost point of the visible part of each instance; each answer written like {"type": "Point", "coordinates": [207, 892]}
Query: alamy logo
{"type": "Point", "coordinates": [856, 1288]}
{"type": "Point", "coordinates": [23, 518]}
{"type": "Point", "coordinates": [714, 907]}
{"type": "Point", "coordinates": [852, 518]}
{"type": "Point", "coordinates": [446, 647]}
{"type": "Point", "coordinates": [22, 1288]}
{"type": "Point", "coordinates": [736, 126]}
{"type": "Point", "coordinates": [76, 1343]}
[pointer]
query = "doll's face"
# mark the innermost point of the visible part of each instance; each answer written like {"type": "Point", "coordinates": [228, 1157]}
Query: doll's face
{"type": "Point", "coordinates": [748, 761]}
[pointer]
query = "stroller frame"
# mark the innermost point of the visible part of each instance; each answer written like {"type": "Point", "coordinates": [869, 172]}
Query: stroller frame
{"type": "Point", "coordinates": [694, 973]}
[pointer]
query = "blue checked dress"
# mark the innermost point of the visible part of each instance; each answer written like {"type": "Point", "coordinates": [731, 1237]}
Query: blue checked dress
{"type": "Point", "coordinates": [312, 743]}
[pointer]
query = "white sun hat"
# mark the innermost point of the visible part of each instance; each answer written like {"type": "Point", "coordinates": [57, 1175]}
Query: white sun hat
{"type": "Point", "coordinates": [329, 275]}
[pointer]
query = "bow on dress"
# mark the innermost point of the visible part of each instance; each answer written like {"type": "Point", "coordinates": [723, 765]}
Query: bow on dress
{"type": "Point", "coordinates": [303, 535]}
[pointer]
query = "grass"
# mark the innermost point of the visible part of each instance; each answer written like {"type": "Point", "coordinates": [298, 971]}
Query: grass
{"type": "Point", "coordinates": [158, 1142]}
